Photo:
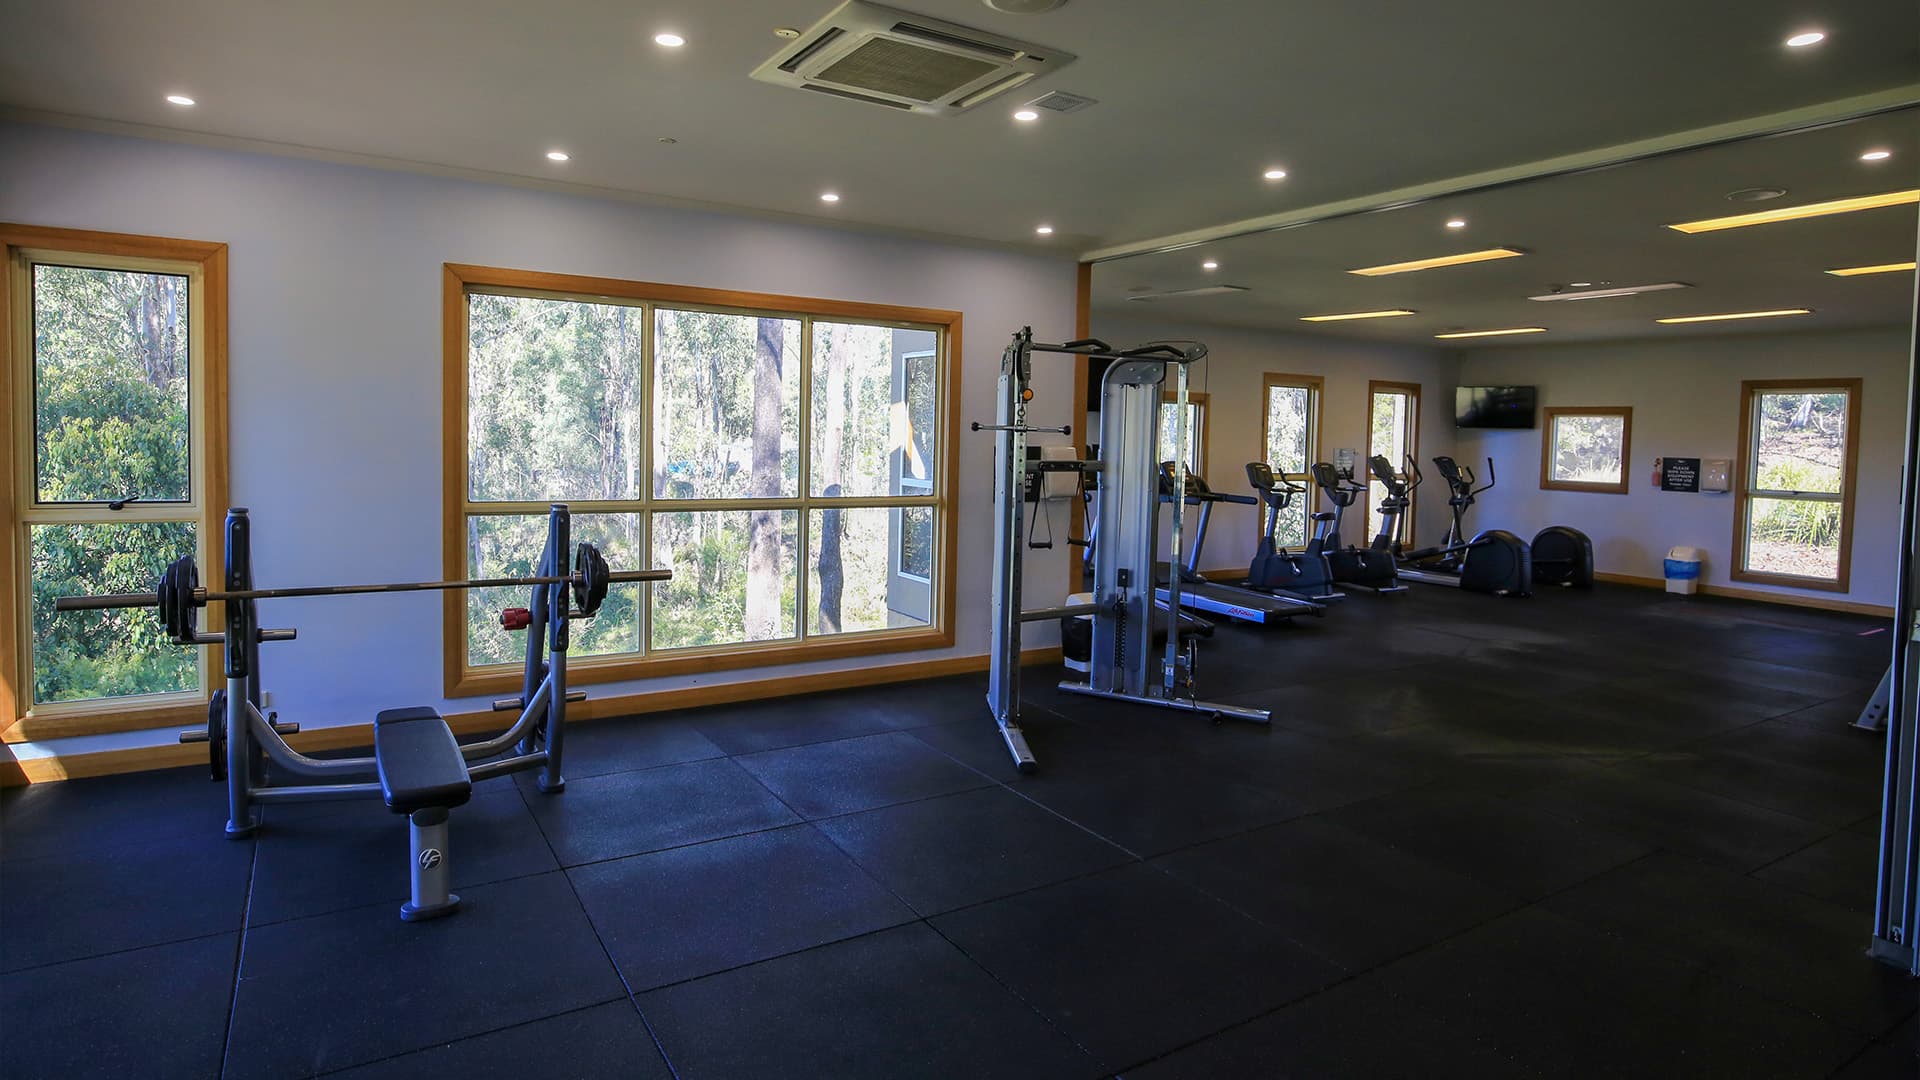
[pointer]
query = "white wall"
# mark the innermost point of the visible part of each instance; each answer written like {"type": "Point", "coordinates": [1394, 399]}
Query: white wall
{"type": "Point", "coordinates": [1685, 397]}
{"type": "Point", "coordinates": [335, 360]}
{"type": "Point", "coordinates": [1232, 375]}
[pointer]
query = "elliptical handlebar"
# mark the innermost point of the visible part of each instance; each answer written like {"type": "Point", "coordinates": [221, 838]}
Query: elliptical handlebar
{"type": "Point", "coordinates": [1492, 479]}
{"type": "Point", "coordinates": [1414, 477]}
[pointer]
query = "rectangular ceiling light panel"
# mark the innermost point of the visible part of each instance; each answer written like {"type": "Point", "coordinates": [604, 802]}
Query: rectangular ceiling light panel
{"type": "Point", "coordinates": [1737, 315]}
{"type": "Point", "coordinates": [1602, 294]}
{"type": "Point", "coordinates": [1796, 213]}
{"type": "Point", "coordinates": [1395, 313]}
{"type": "Point", "coordinates": [1862, 271]}
{"type": "Point", "coordinates": [884, 56]}
{"type": "Point", "coordinates": [1205, 290]}
{"type": "Point", "coordinates": [1494, 333]}
{"type": "Point", "coordinates": [1445, 260]}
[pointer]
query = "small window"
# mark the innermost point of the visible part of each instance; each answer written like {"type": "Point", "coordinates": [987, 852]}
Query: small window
{"type": "Point", "coordinates": [1393, 432]}
{"type": "Point", "coordinates": [1196, 448]}
{"type": "Point", "coordinates": [1586, 449]}
{"type": "Point", "coordinates": [1290, 437]}
{"type": "Point", "coordinates": [1799, 445]}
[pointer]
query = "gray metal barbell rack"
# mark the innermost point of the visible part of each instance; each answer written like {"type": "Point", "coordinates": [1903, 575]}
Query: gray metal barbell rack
{"type": "Point", "coordinates": [1121, 665]}
{"type": "Point", "coordinates": [418, 767]}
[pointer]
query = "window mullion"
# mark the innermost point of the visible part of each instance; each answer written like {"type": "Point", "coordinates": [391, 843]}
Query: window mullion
{"type": "Point", "coordinates": [803, 482]}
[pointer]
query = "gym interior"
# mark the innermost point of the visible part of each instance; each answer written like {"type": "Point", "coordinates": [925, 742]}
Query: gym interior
{"type": "Point", "coordinates": [959, 538]}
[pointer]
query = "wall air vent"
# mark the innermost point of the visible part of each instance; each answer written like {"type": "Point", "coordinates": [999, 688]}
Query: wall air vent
{"type": "Point", "coordinates": [885, 56]}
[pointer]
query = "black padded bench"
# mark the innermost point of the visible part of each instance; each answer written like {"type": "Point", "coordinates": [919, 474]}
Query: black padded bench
{"type": "Point", "coordinates": [422, 775]}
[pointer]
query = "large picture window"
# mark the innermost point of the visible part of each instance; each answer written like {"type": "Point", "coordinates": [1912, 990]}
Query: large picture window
{"type": "Point", "coordinates": [1393, 432]}
{"type": "Point", "coordinates": [116, 467]}
{"type": "Point", "coordinates": [1793, 518]}
{"type": "Point", "coordinates": [787, 458]}
{"type": "Point", "coordinates": [1290, 438]}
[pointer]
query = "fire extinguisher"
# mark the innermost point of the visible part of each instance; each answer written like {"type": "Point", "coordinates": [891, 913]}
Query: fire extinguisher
{"type": "Point", "coordinates": [1659, 472]}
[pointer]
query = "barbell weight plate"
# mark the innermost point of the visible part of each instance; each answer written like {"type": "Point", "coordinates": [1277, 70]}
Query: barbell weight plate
{"type": "Point", "coordinates": [591, 579]}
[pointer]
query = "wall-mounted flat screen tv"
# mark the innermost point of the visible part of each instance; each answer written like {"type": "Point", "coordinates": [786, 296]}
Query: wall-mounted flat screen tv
{"type": "Point", "coordinates": [1493, 406]}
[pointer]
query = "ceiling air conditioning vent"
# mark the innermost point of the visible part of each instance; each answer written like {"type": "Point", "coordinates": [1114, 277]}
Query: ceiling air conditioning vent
{"type": "Point", "coordinates": [1061, 102]}
{"type": "Point", "coordinates": [884, 56]}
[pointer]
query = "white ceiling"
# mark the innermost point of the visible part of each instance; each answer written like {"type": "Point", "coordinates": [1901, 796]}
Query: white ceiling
{"type": "Point", "coordinates": [1605, 225]}
{"type": "Point", "coordinates": [1196, 98]}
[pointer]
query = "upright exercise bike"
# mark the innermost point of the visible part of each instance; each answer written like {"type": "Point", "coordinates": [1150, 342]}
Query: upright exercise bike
{"type": "Point", "coordinates": [1304, 573]}
{"type": "Point", "coordinates": [1372, 568]}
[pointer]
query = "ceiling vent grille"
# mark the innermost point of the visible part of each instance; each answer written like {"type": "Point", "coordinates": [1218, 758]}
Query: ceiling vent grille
{"type": "Point", "coordinates": [1061, 102]}
{"type": "Point", "coordinates": [884, 56]}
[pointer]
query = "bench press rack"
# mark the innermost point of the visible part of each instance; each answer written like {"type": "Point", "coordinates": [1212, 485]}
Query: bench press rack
{"type": "Point", "coordinates": [419, 768]}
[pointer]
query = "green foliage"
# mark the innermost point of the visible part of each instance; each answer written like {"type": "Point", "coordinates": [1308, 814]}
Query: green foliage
{"type": "Point", "coordinates": [1589, 449]}
{"type": "Point", "coordinates": [1807, 522]}
{"type": "Point", "coordinates": [111, 367]}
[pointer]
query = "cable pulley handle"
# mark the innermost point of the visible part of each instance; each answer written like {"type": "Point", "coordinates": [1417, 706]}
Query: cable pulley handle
{"type": "Point", "coordinates": [203, 596]}
{"type": "Point", "coordinates": [1063, 429]}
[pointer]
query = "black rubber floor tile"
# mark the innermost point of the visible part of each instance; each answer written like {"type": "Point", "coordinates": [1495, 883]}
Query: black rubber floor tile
{"type": "Point", "coordinates": [692, 911]}
{"type": "Point", "coordinates": [1839, 870]}
{"type": "Point", "coordinates": [1778, 944]}
{"type": "Point", "coordinates": [850, 775]}
{"type": "Point", "coordinates": [73, 816]}
{"type": "Point", "coordinates": [1894, 1057]}
{"type": "Point", "coordinates": [927, 701]}
{"type": "Point", "coordinates": [1356, 1029]}
{"type": "Point", "coordinates": [1524, 855]}
{"type": "Point", "coordinates": [1561, 1000]}
{"type": "Point", "coordinates": [152, 1013]}
{"type": "Point", "coordinates": [945, 853]}
{"type": "Point", "coordinates": [1843, 751]}
{"type": "Point", "coordinates": [1154, 806]}
{"type": "Point", "coordinates": [602, 1041]}
{"type": "Point", "coordinates": [1460, 757]}
{"type": "Point", "coordinates": [1314, 774]}
{"type": "Point", "coordinates": [1132, 963]}
{"type": "Point", "coordinates": [1815, 795]}
{"type": "Point", "coordinates": [1683, 819]}
{"type": "Point", "coordinates": [796, 721]}
{"type": "Point", "coordinates": [367, 986]}
{"type": "Point", "coordinates": [620, 745]}
{"type": "Point", "coordinates": [108, 899]}
{"type": "Point", "coordinates": [1354, 901]}
{"type": "Point", "coordinates": [903, 1002]}
{"type": "Point", "coordinates": [606, 817]}
{"type": "Point", "coordinates": [1832, 717]}
{"type": "Point", "coordinates": [359, 855]}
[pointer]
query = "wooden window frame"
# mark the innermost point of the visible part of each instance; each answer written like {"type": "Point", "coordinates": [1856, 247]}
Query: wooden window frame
{"type": "Point", "coordinates": [1204, 402]}
{"type": "Point", "coordinates": [205, 264]}
{"type": "Point", "coordinates": [1412, 391]}
{"type": "Point", "coordinates": [1743, 462]}
{"type": "Point", "coordinates": [462, 680]}
{"type": "Point", "coordinates": [1315, 385]}
{"type": "Point", "coordinates": [1548, 483]}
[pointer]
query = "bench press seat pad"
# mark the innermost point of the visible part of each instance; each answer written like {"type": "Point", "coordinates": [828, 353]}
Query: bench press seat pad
{"type": "Point", "coordinates": [419, 761]}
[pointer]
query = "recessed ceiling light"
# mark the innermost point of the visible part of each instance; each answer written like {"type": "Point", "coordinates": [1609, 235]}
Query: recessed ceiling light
{"type": "Point", "coordinates": [1444, 260]}
{"type": "Point", "coordinates": [1494, 333]}
{"type": "Point", "coordinates": [785, 32]}
{"type": "Point", "coordinates": [179, 99]}
{"type": "Point", "coordinates": [1275, 174]}
{"type": "Point", "coordinates": [1589, 293]}
{"type": "Point", "coordinates": [1756, 194]}
{"type": "Point", "coordinates": [671, 41]}
{"type": "Point", "coordinates": [558, 155]}
{"type": "Point", "coordinates": [1457, 223]}
{"type": "Point", "coordinates": [1861, 271]}
{"type": "Point", "coordinates": [1209, 265]}
{"type": "Point", "coordinates": [1737, 315]}
{"type": "Point", "coordinates": [1876, 155]}
{"type": "Point", "coordinates": [1395, 313]}
{"type": "Point", "coordinates": [1802, 40]}
{"type": "Point", "coordinates": [1026, 116]}
{"type": "Point", "coordinates": [1579, 284]}
{"type": "Point", "coordinates": [1044, 230]}
{"type": "Point", "coordinates": [829, 196]}
{"type": "Point", "coordinates": [1806, 210]}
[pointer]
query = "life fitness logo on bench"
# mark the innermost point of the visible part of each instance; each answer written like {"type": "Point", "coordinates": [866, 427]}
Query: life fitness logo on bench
{"type": "Point", "coordinates": [430, 858]}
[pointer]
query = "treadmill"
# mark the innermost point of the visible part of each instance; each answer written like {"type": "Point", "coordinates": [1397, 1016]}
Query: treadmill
{"type": "Point", "coordinates": [1234, 602]}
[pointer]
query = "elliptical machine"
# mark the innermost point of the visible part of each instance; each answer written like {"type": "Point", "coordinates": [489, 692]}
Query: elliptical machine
{"type": "Point", "coordinates": [1307, 573]}
{"type": "Point", "coordinates": [1495, 561]}
{"type": "Point", "coordinates": [1370, 567]}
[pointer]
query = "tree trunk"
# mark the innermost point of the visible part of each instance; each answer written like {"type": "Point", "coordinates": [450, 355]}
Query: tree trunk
{"type": "Point", "coordinates": [763, 526]}
{"type": "Point", "coordinates": [832, 575]}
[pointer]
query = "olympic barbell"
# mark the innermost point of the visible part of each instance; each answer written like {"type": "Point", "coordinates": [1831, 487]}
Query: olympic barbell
{"type": "Point", "coordinates": [178, 591]}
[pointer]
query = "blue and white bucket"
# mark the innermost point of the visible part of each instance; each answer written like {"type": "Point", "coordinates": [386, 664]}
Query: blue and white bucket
{"type": "Point", "coordinates": [1683, 570]}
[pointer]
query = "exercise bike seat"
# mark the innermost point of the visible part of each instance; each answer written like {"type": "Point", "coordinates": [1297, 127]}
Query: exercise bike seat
{"type": "Point", "coordinates": [419, 761]}
{"type": "Point", "coordinates": [1322, 515]}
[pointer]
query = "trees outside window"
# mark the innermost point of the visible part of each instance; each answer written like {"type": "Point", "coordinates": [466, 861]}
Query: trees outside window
{"type": "Point", "coordinates": [1586, 449]}
{"type": "Point", "coordinates": [1799, 447]}
{"type": "Point", "coordinates": [785, 462]}
{"type": "Point", "coordinates": [109, 457]}
{"type": "Point", "coordinates": [1290, 438]}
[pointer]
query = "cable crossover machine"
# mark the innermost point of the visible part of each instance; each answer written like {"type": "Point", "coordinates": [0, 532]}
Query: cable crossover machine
{"type": "Point", "coordinates": [1122, 665]}
{"type": "Point", "coordinates": [418, 767]}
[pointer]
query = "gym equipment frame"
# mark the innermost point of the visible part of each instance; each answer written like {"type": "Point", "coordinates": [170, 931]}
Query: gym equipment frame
{"type": "Point", "coordinates": [419, 768]}
{"type": "Point", "coordinates": [1896, 895]}
{"type": "Point", "coordinates": [1121, 665]}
